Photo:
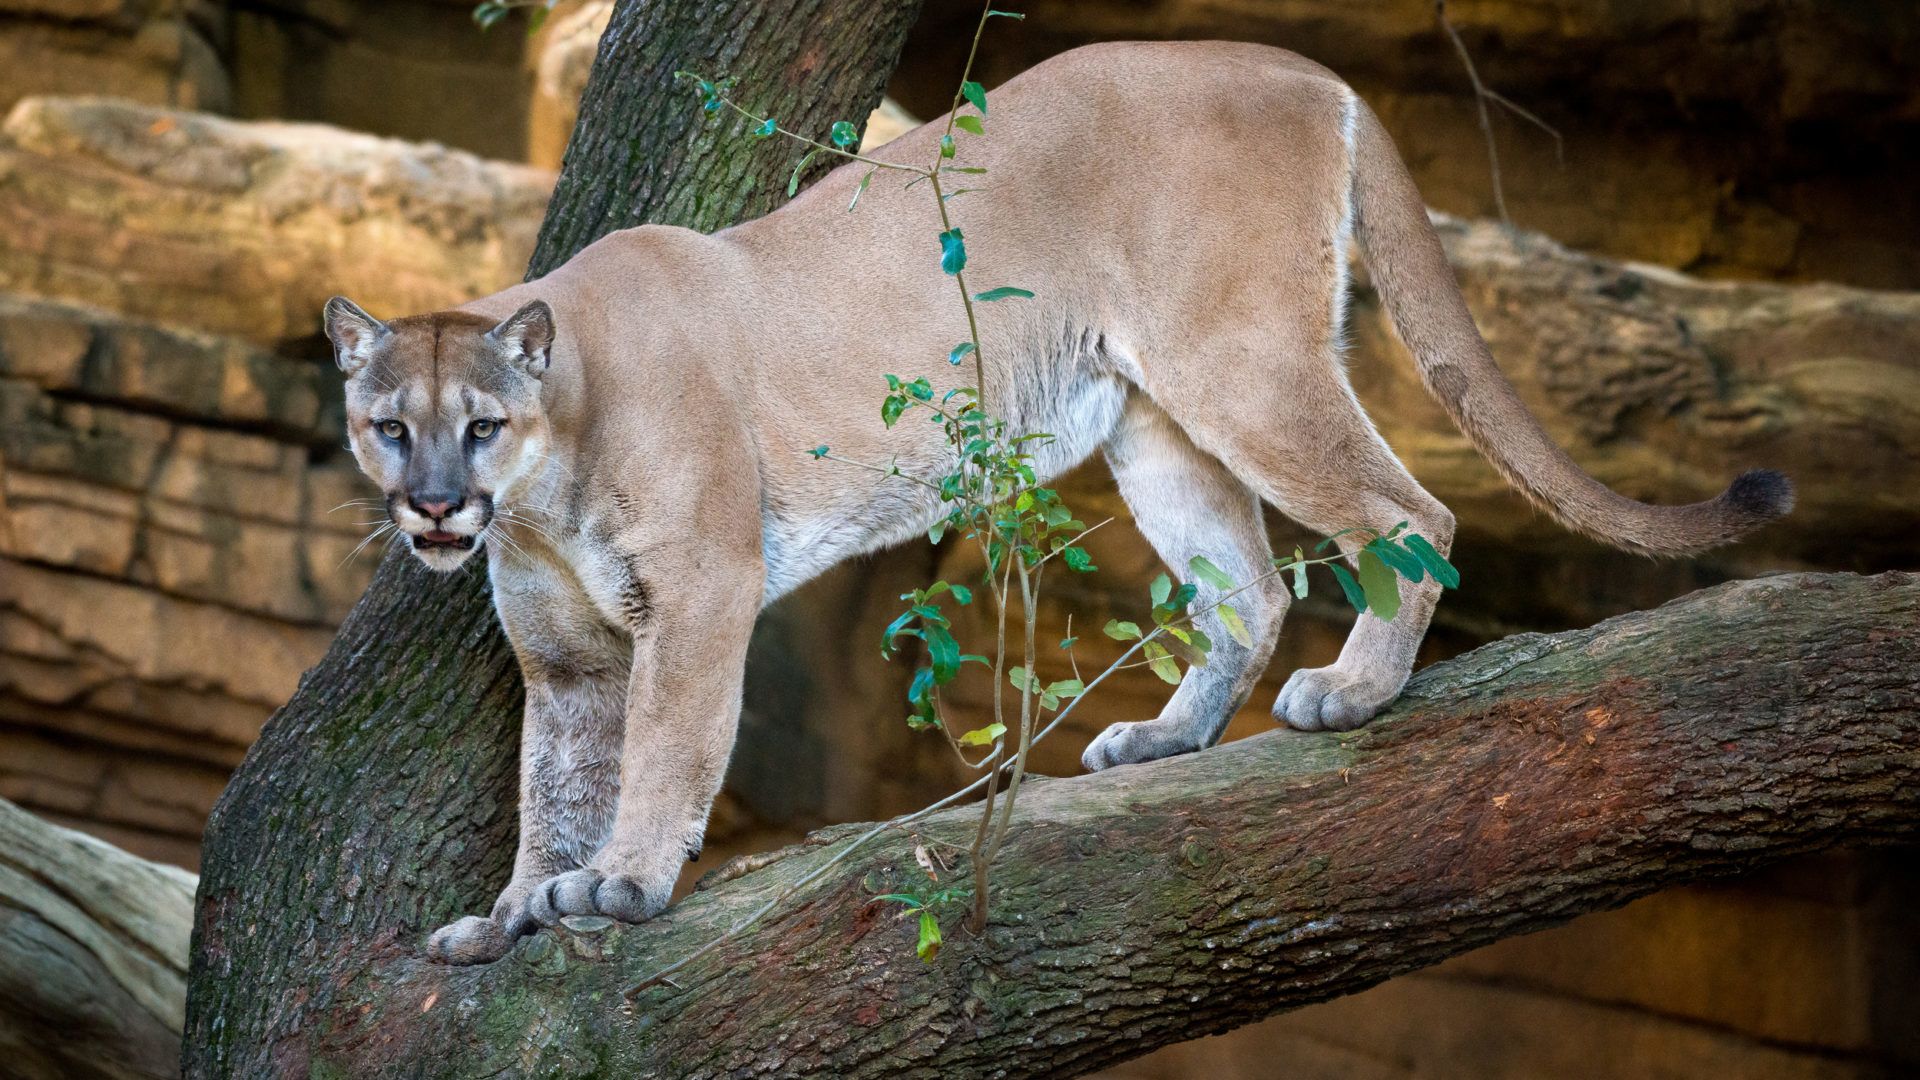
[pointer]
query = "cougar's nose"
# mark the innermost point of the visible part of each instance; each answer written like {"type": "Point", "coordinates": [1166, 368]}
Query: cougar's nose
{"type": "Point", "coordinates": [436, 505]}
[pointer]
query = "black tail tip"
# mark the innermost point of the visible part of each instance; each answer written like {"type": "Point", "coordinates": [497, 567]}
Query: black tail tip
{"type": "Point", "coordinates": [1762, 493]}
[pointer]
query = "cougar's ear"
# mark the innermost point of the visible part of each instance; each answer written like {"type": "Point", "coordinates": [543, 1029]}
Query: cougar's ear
{"type": "Point", "coordinates": [527, 335]}
{"type": "Point", "coordinates": [354, 333]}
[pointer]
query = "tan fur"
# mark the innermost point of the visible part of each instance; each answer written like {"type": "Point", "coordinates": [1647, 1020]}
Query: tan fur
{"type": "Point", "coordinates": [1182, 212]}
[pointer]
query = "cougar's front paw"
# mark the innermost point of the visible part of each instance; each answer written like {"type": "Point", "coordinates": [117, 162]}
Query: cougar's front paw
{"type": "Point", "coordinates": [1133, 743]}
{"type": "Point", "coordinates": [596, 892]}
{"type": "Point", "coordinates": [472, 940]}
{"type": "Point", "coordinates": [1328, 699]}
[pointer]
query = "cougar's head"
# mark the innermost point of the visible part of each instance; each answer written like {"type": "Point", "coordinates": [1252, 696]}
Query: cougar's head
{"type": "Point", "coordinates": [444, 414]}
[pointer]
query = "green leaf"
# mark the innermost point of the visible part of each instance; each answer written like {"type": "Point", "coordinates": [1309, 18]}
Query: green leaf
{"type": "Point", "coordinates": [891, 408]}
{"type": "Point", "coordinates": [983, 736]}
{"type": "Point", "coordinates": [485, 15]}
{"type": "Point", "coordinates": [963, 594]}
{"type": "Point", "coordinates": [1230, 619]}
{"type": "Point", "coordinates": [1209, 573]}
{"type": "Point", "coordinates": [1436, 563]}
{"type": "Point", "coordinates": [536, 19]}
{"type": "Point", "coordinates": [928, 946]}
{"type": "Point", "coordinates": [959, 352]}
{"type": "Point", "coordinates": [970, 123]}
{"type": "Point", "coordinates": [793, 182]}
{"type": "Point", "coordinates": [953, 251]}
{"type": "Point", "coordinates": [971, 170]}
{"type": "Point", "coordinates": [1328, 542]}
{"type": "Point", "coordinates": [1077, 559]}
{"type": "Point", "coordinates": [818, 452]}
{"type": "Point", "coordinates": [1299, 569]}
{"type": "Point", "coordinates": [861, 190]}
{"type": "Point", "coordinates": [976, 94]}
{"type": "Point", "coordinates": [1181, 644]}
{"type": "Point", "coordinates": [1161, 589]}
{"type": "Point", "coordinates": [920, 696]}
{"type": "Point", "coordinates": [1122, 631]}
{"type": "Point", "coordinates": [1005, 14]}
{"type": "Point", "coordinates": [1068, 642]}
{"type": "Point", "coordinates": [766, 129]}
{"type": "Point", "coordinates": [1349, 586]}
{"type": "Point", "coordinates": [1004, 292]}
{"type": "Point", "coordinates": [894, 629]}
{"type": "Point", "coordinates": [944, 652]}
{"type": "Point", "coordinates": [1067, 688]}
{"type": "Point", "coordinates": [1381, 585]}
{"type": "Point", "coordinates": [1162, 664]}
{"type": "Point", "coordinates": [843, 133]}
{"type": "Point", "coordinates": [946, 146]}
{"type": "Point", "coordinates": [1404, 562]}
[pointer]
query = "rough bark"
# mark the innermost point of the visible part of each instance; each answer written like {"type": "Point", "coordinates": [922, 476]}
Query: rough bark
{"type": "Point", "coordinates": [394, 764]}
{"type": "Point", "coordinates": [1510, 789]}
{"type": "Point", "coordinates": [93, 956]}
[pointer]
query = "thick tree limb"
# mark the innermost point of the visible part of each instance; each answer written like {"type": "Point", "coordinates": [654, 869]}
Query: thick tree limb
{"type": "Point", "coordinates": [1510, 789]}
{"type": "Point", "coordinates": [93, 955]}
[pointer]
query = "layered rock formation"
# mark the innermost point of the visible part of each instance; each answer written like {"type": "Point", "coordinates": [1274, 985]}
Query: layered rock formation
{"type": "Point", "coordinates": [170, 563]}
{"type": "Point", "coordinates": [246, 228]}
{"type": "Point", "coordinates": [165, 52]}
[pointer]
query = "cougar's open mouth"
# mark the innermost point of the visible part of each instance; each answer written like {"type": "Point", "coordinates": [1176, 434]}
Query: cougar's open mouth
{"type": "Point", "coordinates": [438, 538]}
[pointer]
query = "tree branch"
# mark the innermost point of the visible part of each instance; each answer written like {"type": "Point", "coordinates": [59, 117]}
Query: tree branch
{"type": "Point", "coordinates": [1509, 790]}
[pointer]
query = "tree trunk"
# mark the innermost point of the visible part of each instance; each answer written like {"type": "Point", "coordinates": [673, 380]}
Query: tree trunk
{"type": "Point", "coordinates": [1508, 790]}
{"type": "Point", "coordinates": [93, 956]}
{"type": "Point", "coordinates": [381, 798]}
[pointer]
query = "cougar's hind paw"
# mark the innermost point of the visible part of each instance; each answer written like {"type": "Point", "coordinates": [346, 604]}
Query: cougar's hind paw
{"type": "Point", "coordinates": [1328, 699]}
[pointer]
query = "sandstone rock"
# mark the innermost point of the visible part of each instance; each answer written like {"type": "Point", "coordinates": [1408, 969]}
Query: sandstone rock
{"type": "Point", "coordinates": [163, 52]}
{"type": "Point", "coordinates": [246, 228]}
{"type": "Point", "coordinates": [409, 69]}
{"type": "Point", "coordinates": [170, 565]}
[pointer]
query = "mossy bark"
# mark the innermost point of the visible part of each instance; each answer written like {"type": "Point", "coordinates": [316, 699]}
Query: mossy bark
{"type": "Point", "coordinates": [1508, 790]}
{"type": "Point", "coordinates": [381, 798]}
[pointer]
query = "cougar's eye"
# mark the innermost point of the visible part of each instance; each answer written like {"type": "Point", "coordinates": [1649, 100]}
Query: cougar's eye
{"type": "Point", "coordinates": [393, 429]}
{"type": "Point", "coordinates": [484, 429]}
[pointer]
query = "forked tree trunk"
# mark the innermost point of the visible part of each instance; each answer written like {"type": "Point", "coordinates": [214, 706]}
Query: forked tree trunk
{"type": "Point", "coordinates": [1510, 789]}
{"type": "Point", "coordinates": [381, 798]}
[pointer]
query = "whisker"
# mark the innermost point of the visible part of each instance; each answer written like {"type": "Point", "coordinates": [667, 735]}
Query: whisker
{"type": "Point", "coordinates": [375, 534]}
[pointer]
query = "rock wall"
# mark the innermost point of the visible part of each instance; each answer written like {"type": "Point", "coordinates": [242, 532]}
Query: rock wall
{"type": "Point", "coordinates": [165, 52]}
{"type": "Point", "coordinates": [245, 228]}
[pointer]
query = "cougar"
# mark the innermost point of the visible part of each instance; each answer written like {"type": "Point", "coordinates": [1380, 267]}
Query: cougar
{"type": "Point", "coordinates": [626, 438]}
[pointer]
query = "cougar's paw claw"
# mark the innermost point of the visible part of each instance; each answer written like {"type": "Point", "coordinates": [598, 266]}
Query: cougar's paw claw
{"type": "Point", "coordinates": [472, 940]}
{"type": "Point", "coordinates": [1327, 699]}
{"type": "Point", "coordinates": [1133, 743]}
{"type": "Point", "coordinates": [591, 892]}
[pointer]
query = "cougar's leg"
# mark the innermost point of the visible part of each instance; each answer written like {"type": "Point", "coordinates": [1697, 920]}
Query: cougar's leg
{"type": "Point", "coordinates": [1187, 504]}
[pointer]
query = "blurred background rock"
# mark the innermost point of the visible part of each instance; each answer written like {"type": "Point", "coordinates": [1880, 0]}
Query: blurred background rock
{"type": "Point", "coordinates": [1721, 274]}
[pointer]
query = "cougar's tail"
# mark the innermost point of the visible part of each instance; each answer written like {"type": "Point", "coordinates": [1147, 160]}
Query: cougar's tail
{"type": "Point", "coordinates": [1417, 285]}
